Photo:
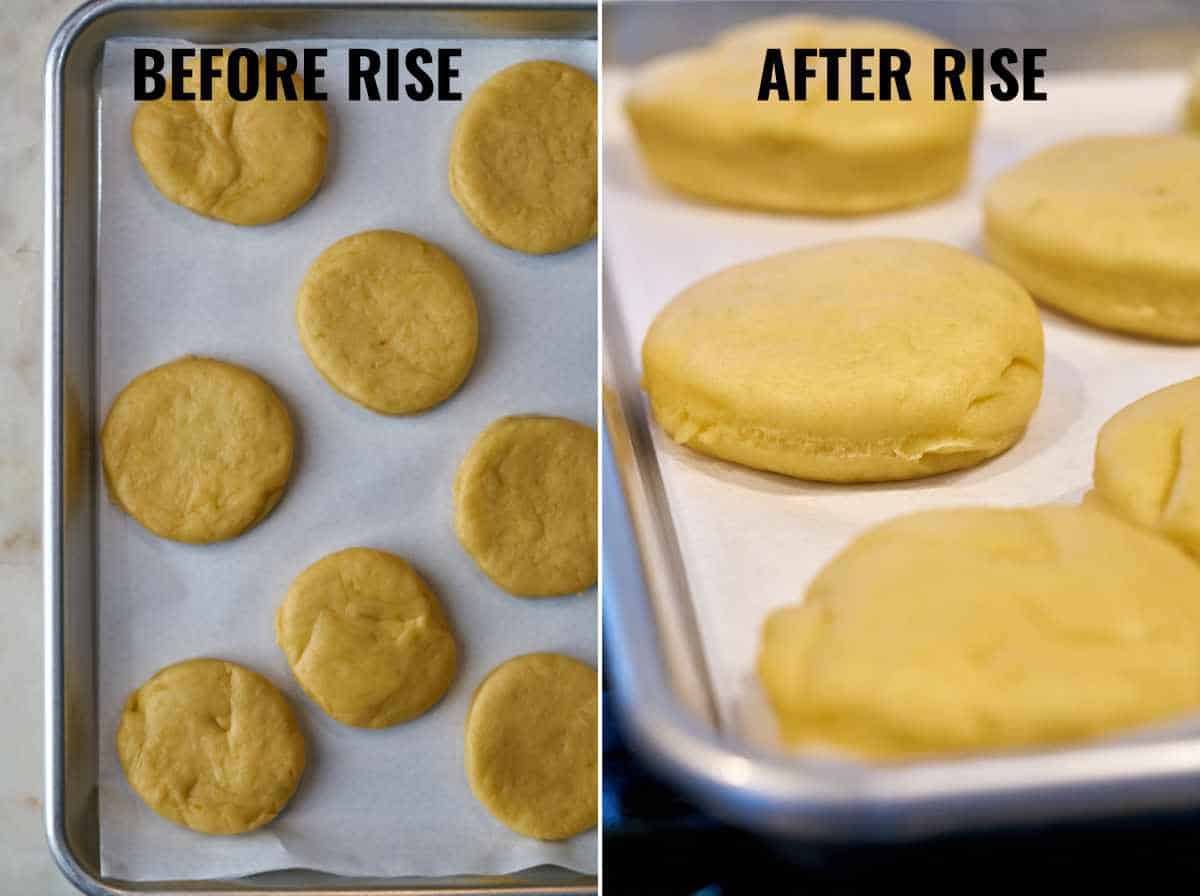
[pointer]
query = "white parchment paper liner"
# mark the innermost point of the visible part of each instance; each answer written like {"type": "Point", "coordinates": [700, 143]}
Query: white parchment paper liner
{"type": "Point", "coordinates": [372, 803]}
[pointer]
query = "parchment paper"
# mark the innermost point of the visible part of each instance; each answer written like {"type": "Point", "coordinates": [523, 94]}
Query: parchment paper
{"type": "Point", "coordinates": [390, 802]}
{"type": "Point", "coordinates": [752, 541]}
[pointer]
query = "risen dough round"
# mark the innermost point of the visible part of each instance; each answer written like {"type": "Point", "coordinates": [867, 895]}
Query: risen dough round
{"type": "Point", "coordinates": [523, 157]}
{"type": "Point", "coordinates": [531, 745]}
{"type": "Point", "coordinates": [525, 505]}
{"type": "Point", "coordinates": [1148, 464]}
{"type": "Point", "coordinates": [867, 360]}
{"type": "Point", "coordinates": [248, 162]}
{"type": "Point", "coordinates": [1106, 229]}
{"type": "Point", "coordinates": [956, 630]}
{"type": "Point", "coordinates": [1192, 110]}
{"type": "Point", "coordinates": [212, 746]}
{"type": "Point", "coordinates": [389, 320]}
{"type": "Point", "coordinates": [366, 638]}
{"type": "Point", "coordinates": [703, 131]}
{"type": "Point", "coordinates": [197, 450]}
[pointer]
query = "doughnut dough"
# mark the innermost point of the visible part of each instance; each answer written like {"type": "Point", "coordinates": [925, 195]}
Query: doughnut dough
{"type": "Point", "coordinates": [1148, 464]}
{"type": "Point", "coordinates": [703, 132]}
{"type": "Point", "coordinates": [366, 638]}
{"type": "Point", "coordinates": [982, 628]}
{"type": "Point", "coordinates": [249, 162]}
{"type": "Point", "coordinates": [197, 450]}
{"type": "Point", "coordinates": [858, 361]}
{"type": "Point", "coordinates": [1192, 110]}
{"type": "Point", "coordinates": [523, 157]}
{"type": "Point", "coordinates": [389, 321]}
{"type": "Point", "coordinates": [531, 745]}
{"type": "Point", "coordinates": [1106, 229]}
{"type": "Point", "coordinates": [212, 746]}
{"type": "Point", "coordinates": [525, 505]}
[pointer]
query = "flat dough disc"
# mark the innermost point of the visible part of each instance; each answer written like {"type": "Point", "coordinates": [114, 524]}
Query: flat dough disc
{"type": "Point", "coordinates": [523, 157]}
{"type": "Point", "coordinates": [525, 504]}
{"type": "Point", "coordinates": [703, 132]}
{"type": "Point", "coordinates": [531, 745]}
{"type": "Point", "coordinates": [197, 450]}
{"type": "Point", "coordinates": [985, 628]}
{"type": "Point", "coordinates": [366, 638]}
{"type": "Point", "coordinates": [249, 162]}
{"type": "Point", "coordinates": [389, 321]}
{"type": "Point", "coordinates": [866, 360]}
{"type": "Point", "coordinates": [1148, 464]}
{"type": "Point", "coordinates": [1106, 229]}
{"type": "Point", "coordinates": [212, 746]}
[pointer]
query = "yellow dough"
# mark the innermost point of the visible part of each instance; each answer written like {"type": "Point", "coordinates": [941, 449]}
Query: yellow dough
{"type": "Point", "coordinates": [1106, 229]}
{"type": "Point", "coordinates": [389, 321]}
{"type": "Point", "coordinates": [859, 361]}
{"type": "Point", "coordinates": [248, 162]}
{"type": "Point", "coordinates": [197, 450]}
{"type": "Point", "coordinates": [366, 638]}
{"type": "Point", "coordinates": [212, 746]}
{"type": "Point", "coordinates": [531, 745]}
{"type": "Point", "coordinates": [976, 629]}
{"type": "Point", "coordinates": [1192, 110]}
{"type": "Point", "coordinates": [523, 157]}
{"type": "Point", "coordinates": [525, 505]}
{"type": "Point", "coordinates": [1148, 464]}
{"type": "Point", "coordinates": [703, 131]}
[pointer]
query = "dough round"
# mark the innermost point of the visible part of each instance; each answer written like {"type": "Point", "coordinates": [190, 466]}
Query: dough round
{"type": "Point", "coordinates": [248, 162]}
{"type": "Point", "coordinates": [1105, 228]}
{"type": "Point", "coordinates": [212, 746]}
{"type": "Point", "coordinates": [366, 638]}
{"type": "Point", "coordinates": [981, 628]}
{"type": "Point", "coordinates": [523, 157]}
{"type": "Point", "coordinates": [1192, 110]}
{"type": "Point", "coordinates": [197, 450]}
{"type": "Point", "coordinates": [703, 131]}
{"type": "Point", "coordinates": [859, 361]}
{"type": "Point", "coordinates": [531, 745]}
{"type": "Point", "coordinates": [389, 321]}
{"type": "Point", "coordinates": [1148, 464]}
{"type": "Point", "coordinates": [525, 505]}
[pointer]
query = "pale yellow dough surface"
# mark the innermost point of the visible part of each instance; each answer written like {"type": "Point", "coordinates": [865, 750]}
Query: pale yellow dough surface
{"type": "Point", "coordinates": [703, 132]}
{"type": "Point", "coordinates": [249, 162]}
{"type": "Point", "coordinates": [366, 638]}
{"type": "Point", "coordinates": [977, 629]}
{"type": "Point", "coordinates": [525, 505]}
{"type": "Point", "coordinates": [1106, 229]}
{"type": "Point", "coordinates": [531, 745]}
{"type": "Point", "coordinates": [197, 450]}
{"type": "Point", "coordinates": [212, 746]}
{"type": "Point", "coordinates": [867, 360]}
{"type": "Point", "coordinates": [1192, 109]}
{"type": "Point", "coordinates": [523, 157]}
{"type": "Point", "coordinates": [1148, 464]}
{"type": "Point", "coordinates": [389, 321]}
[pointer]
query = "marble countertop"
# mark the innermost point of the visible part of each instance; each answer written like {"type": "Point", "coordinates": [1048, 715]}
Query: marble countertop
{"type": "Point", "coordinates": [25, 863]}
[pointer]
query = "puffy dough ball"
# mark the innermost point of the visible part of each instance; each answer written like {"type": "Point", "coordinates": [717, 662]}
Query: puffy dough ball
{"type": "Point", "coordinates": [868, 360]}
{"type": "Point", "coordinates": [1148, 464]}
{"type": "Point", "coordinates": [703, 132]}
{"type": "Point", "coordinates": [977, 629]}
{"type": "Point", "coordinates": [1106, 229]}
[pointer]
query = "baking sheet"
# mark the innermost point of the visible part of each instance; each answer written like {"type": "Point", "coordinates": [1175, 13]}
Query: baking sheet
{"type": "Point", "coordinates": [751, 541]}
{"type": "Point", "coordinates": [372, 803]}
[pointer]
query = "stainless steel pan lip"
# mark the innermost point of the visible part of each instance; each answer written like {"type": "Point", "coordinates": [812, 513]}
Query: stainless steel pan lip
{"type": "Point", "coordinates": [83, 874]}
{"type": "Point", "coordinates": [806, 798]}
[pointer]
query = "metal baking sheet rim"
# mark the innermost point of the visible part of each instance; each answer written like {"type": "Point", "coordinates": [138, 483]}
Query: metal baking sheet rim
{"type": "Point", "coordinates": [665, 704]}
{"type": "Point", "coordinates": [82, 874]}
